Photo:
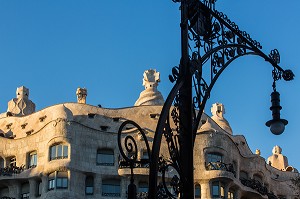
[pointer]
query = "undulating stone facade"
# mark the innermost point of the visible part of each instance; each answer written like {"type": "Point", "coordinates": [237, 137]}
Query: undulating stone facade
{"type": "Point", "coordinates": [70, 150]}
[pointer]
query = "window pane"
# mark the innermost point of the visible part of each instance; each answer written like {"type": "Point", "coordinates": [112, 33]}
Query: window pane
{"type": "Point", "coordinates": [39, 188]}
{"type": "Point", "coordinates": [65, 154]}
{"type": "Point", "coordinates": [143, 187]}
{"type": "Point", "coordinates": [33, 160]}
{"type": "Point", "coordinates": [230, 195]}
{"type": "Point", "coordinates": [62, 183]}
{"type": "Point", "coordinates": [53, 153]}
{"type": "Point", "coordinates": [1, 162]}
{"type": "Point", "coordinates": [65, 182]}
{"type": "Point", "coordinates": [197, 191]}
{"type": "Point", "coordinates": [145, 155]}
{"type": "Point", "coordinates": [111, 188]}
{"type": "Point", "coordinates": [89, 181]}
{"type": "Point", "coordinates": [89, 185]}
{"type": "Point", "coordinates": [58, 182]}
{"type": "Point", "coordinates": [105, 157]}
{"type": "Point", "coordinates": [215, 189]}
{"type": "Point", "coordinates": [59, 151]}
{"type": "Point", "coordinates": [89, 190]}
{"type": "Point", "coordinates": [222, 192]}
{"type": "Point", "coordinates": [51, 184]}
{"type": "Point", "coordinates": [213, 157]}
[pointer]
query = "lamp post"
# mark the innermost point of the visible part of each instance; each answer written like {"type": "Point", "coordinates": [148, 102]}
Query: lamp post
{"type": "Point", "coordinates": [209, 40]}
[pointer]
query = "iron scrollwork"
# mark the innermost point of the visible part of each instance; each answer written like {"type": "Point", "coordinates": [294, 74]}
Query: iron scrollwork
{"type": "Point", "coordinates": [129, 151]}
{"type": "Point", "coordinates": [214, 41]}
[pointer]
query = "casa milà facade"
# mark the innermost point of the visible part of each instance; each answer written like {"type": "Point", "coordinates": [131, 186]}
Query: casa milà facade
{"type": "Point", "coordinates": [70, 150]}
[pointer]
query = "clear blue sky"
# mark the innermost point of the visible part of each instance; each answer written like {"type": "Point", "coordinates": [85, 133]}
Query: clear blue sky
{"type": "Point", "coordinates": [53, 47]}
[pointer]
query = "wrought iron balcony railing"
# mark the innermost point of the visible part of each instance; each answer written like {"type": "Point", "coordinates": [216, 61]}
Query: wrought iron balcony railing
{"type": "Point", "coordinates": [143, 163]}
{"type": "Point", "coordinates": [142, 195]}
{"type": "Point", "coordinates": [10, 170]}
{"type": "Point", "coordinates": [220, 166]}
{"type": "Point", "coordinates": [256, 185]}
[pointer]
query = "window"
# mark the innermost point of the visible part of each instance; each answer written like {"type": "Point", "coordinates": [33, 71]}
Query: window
{"type": "Point", "coordinates": [197, 191]}
{"type": "Point", "coordinates": [89, 185]}
{"type": "Point", "coordinates": [51, 181]}
{"type": "Point", "coordinates": [32, 159]}
{"type": "Point", "coordinates": [58, 152]}
{"type": "Point", "coordinates": [105, 157]}
{"type": "Point", "coordinates": [111, 188]}
{"type": "Point", "coordinates": [231, 194]}
{"type": "Point", "coordinates": [25, 196]}
{"type": "Point", "coordinates": [62, 180]}
{"type": "Point", "coordinates": [214, 157]}
{"type": "Point", "coordinates": [39, 188]}
{"type": "Point", "coordinates": [1, 162]}
{"type": "Point", "coordinates": [144, 159]}
{"type": "Point", "coordinates": [4, 191]}
{"type": "Point", "coordinates": [143, 187]}
{"type": "Point", "coordinates": [145, 155]}
{"type": "Point", "coordinates": [58, 180]}
{"type": "Point", "coordinates": [25, 191]}
{"type": "Point", "coordinates": [218, 190]}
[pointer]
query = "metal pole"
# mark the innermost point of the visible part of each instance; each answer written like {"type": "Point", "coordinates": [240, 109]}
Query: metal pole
{"type": "Point", "coordinates": [185, 111]}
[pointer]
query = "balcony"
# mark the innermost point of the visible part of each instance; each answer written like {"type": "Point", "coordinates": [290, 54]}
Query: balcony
{"type": "Point", "coordinates": [143, 163]}
{"type": "Point", "coordinates": [256, 185]}
{"type": "Point", "coordinates": [220, 166]}
{"type": "Point", "coordinates": [11, 170]}
{"type": "Point", "coordinates": [142, 195]}
{"type": "Point", "coordinates": [141, 167]}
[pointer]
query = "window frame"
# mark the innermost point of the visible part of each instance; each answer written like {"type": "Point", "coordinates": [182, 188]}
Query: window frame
{"type": "Point", "coordinates": [89, 183]}
{"type": "Point", "coordinates": [25, 195]}
{"type": "Point", "coordinates": [39, 188]}
{"type": "Point", "coordinates": [25, 190]}
{"type": "Point", "coordinates": [58, 180]}
{"type": "Point", "coordinates": [231, 194]}
{"type": "Point", "coordinates": [214, 157]}
{"type": "Point", "coordinates": [58, 151]}
{"type": "Point", "coordinates": [32, 164]}
{"type": "Point", "coordinates": [196, 186]}
{"type": "Point", "coordinates": [51, 181]}
{"type": "Point", "coordinates": [2, 162]}
{"type": "Point", "coordinates": [105, 157]}
{"type": "Point", "coordinates": [143, 187]}
{"type": "Point", "coordinates": [115, 184]}
{"type": "Point", "coordinates": [62, 177]}
{"type": "Point", "coordinates": [220, 189]}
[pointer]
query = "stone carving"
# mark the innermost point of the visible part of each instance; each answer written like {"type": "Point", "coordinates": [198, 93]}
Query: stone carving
{"type": "Point", "coordinates": [257, 152]}
{"type": "Point", "coordinates": [150, 96]}
{"type": "Point", "coordinates": [218, 111]}
{"type": "Point", "coordinates": [81, 95]}
{"type": "Point", "coordinates": [278, 160]}
{"type": "Point", "coordinates": [21, 105]}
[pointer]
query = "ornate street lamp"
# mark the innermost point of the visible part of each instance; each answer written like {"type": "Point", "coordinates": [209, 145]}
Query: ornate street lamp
{"type": "Point", "coordinates": [277, 125]}
{"type": "Point", "coordinates": [209, 41]}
